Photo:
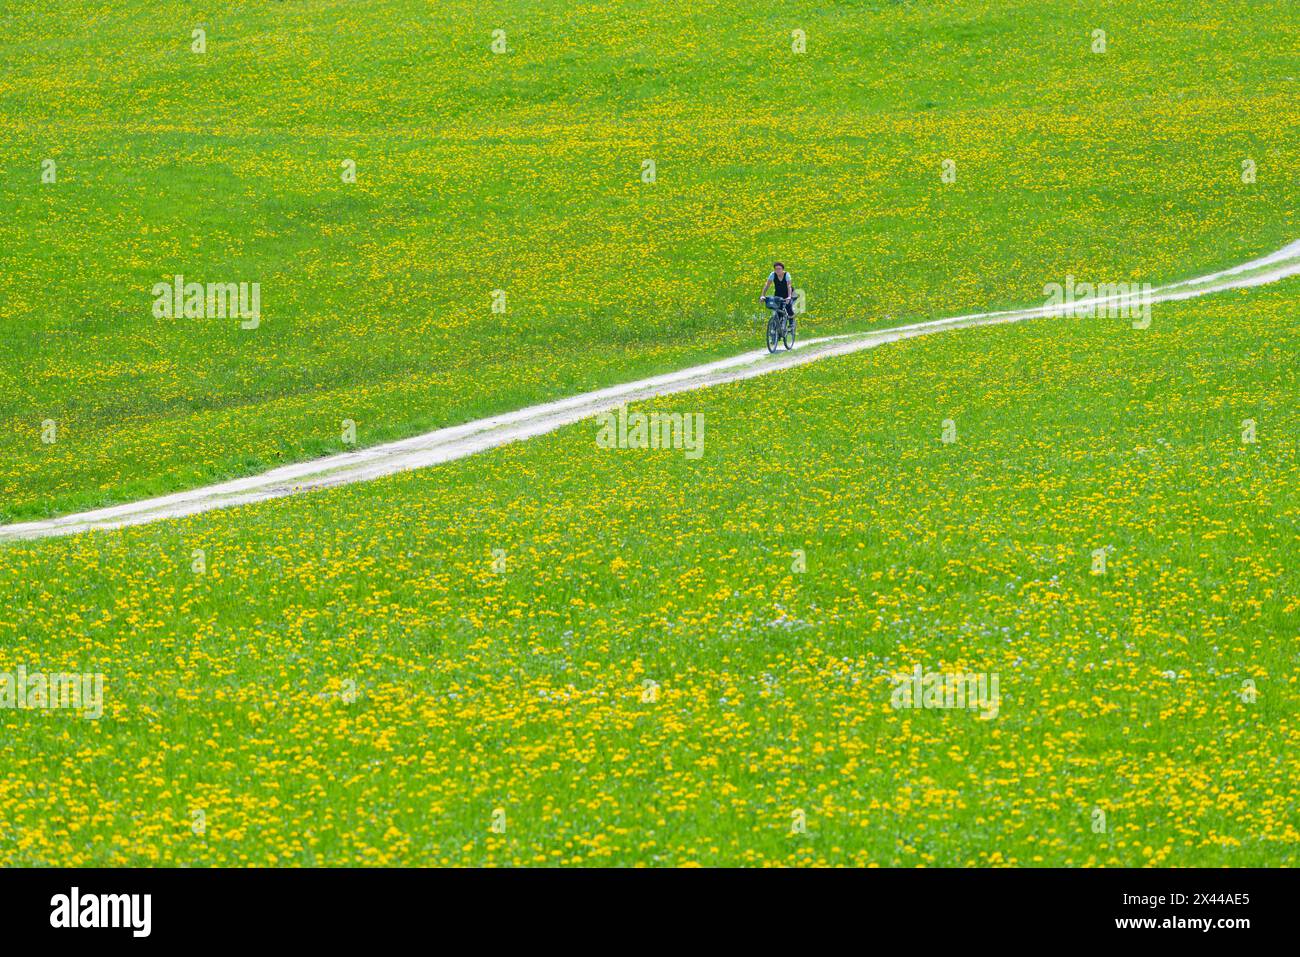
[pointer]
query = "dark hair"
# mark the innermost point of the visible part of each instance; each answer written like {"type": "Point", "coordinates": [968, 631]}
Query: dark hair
{"type": "Point", "coordinates": [778, 263]}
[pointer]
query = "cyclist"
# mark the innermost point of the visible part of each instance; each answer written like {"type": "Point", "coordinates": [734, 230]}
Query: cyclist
{"type": "Point", "coordinates": [782, 285]}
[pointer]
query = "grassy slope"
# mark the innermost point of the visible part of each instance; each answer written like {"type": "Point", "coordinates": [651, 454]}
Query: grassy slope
{"type": "Point", "coordinates": [522, 691]}
{"type": "Point", "coordinates": [520, 172]}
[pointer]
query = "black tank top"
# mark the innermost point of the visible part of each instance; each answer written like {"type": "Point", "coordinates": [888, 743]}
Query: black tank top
{"type": "Point", "coordinates": [782, 285]}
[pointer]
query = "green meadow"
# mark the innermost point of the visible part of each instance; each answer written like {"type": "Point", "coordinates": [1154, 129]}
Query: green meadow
{"type": "Point", "coordinates": [522, 173]}
{"type": "Point", "coordinates": [634, 657]}
{"type": "Point", "coordinates": [561, 653]}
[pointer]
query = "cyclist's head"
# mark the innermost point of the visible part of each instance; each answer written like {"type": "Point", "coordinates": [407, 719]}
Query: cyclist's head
{"type": "Point", "coordinates": [779, 267]}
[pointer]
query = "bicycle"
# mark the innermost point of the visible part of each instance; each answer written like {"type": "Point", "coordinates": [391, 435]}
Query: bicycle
{"type": "Point", "coordinates": [780, 327]}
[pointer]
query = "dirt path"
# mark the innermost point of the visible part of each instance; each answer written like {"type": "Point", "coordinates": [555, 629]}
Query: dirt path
{"type": "Point", "coordinates": [458, 441]}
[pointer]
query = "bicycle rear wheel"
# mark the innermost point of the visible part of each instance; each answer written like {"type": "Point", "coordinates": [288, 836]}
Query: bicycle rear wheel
{"type": "Point", "coordinates": [787, 334]}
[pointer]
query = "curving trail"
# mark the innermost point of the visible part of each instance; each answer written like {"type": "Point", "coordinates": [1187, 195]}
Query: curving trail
{"type": "Point", "coordinates": [458, 441]}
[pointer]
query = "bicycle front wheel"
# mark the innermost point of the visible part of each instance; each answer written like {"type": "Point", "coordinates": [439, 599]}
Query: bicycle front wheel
{"type": "Point", "coordinates": [773, 332]}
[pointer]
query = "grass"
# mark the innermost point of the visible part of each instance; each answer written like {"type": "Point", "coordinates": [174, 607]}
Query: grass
{"type": "Point", "coordinates": [350, 677]}
{"type": "Point", "coordinates": [351, 680]}
{"type": "Point", "coordinates": [521, 172]}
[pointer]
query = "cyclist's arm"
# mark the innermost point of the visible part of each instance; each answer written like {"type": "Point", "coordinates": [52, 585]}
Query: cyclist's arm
{"type": "Point", "coordinates": [766, 286]}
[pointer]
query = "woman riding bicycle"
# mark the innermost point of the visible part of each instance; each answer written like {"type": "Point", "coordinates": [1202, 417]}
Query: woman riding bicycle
{"type": "Point", "coordinates": [780, 328]}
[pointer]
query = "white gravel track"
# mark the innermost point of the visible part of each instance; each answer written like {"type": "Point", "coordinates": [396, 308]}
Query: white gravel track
{"type": "Point", "coordinates": [459, 441]}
